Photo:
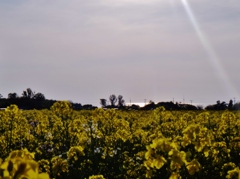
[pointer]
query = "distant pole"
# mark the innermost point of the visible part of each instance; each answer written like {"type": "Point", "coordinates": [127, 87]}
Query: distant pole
{"type": "Point", "coordinates": [145, 101]}
{"type": "Point", "coordinates": [130, 101]}
{"type": "Point", "coordinates": [233, 100]}
{"type": "Point", "coordinates": [191, 101]}
{"type": "Point", "coordinates": [183, 99]}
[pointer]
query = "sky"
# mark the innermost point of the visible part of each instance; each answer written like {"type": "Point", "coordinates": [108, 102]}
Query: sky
{"type": "Point", "coordinates": [84, 50]}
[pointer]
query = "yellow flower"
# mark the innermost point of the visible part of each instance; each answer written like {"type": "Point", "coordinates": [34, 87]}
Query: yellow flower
{"type": "Point", "coordinates": [193, 167]}
{"type": "Point", "coordinates": [96, 177]}
{"type": "Point", "coordinates": [206, 152]}
{"type": "Point", "coordinates": [148, 164]}
{"type": "Point", "coordinates": [159, 161]}
{"type": "Point", "coordinates": [175, 175]}
{"type": "Point", "coordinates": [21, 168]}
{"type": "Point", "coordinates": [75, 152]}
{"type": "Point", "coordinates": [149, 153]}
{"type": "Point", "coordinates": [177, 159]}
{"type": "Point", "coordinates": [59, 166]}
{"type": "Point", "coordinates": [43, 176]}
{"type": "Point", "coordinates": [232, 174]}
{"type": "Point", "coordinates": [149, 174]}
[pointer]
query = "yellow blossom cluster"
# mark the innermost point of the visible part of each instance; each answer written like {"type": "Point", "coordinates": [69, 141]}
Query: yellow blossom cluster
{"type": "Point", "coordinates": [19, 165]}
{"type": "Point", "coordinates": [118, 144]}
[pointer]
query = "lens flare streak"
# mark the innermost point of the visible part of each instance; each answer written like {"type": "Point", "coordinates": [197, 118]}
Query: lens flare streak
{"type": "Point", "coordinates": [214, 59]}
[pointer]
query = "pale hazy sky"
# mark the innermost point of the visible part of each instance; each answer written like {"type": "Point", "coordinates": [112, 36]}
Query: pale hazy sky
{"type": "Point", "coordinates": [84, 50]}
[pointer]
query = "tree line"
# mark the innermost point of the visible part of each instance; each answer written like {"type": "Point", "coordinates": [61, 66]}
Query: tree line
{"type": "Point", "coordinates": [113, 100]}
{"type": "Point", "coordinates": [119, 102]}
{"type": "Point", "coordinates": [32, 100]}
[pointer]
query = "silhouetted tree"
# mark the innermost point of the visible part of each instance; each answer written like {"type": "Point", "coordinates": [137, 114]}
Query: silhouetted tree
{"type": "Point", "coordinates": [151, 102]}
{"type": "Point", "coordinates": [77, 106]}
{"type": "Point", "coordinates": [1, 96]}
{"type": "Point", "coordinates": [219, 106]}
{"type": "Point", "coordinates": [223, 105]}
{"type": "Point", "coordinates": [199, 107]}
{"type": "Point", "coordinates": [103, 102]}
{"type": "Point", "coordinates": [230, 105]}
{"type": "Point", "coordinates": [113, 99]}
{"type": "Point", "coordinates": [236, 106]}
{"type": "Point", "coordinates": [28, 93]}
{"type": "Point", "coordinates": [39, 96]}
{"type": "Point", "coordinates": [87, 106]}
{"type": "Point", "coordinates": [12, 95]}
{"type": "Point", "coordinates": [168, 105]}
{"type": "Point", "coordinates": [151, 105]}
{"type": "Point", "coordinates": [120, 101]}
{"type": "Point", "coordinates": [188, 107]}
{"type": "Point", "coordinates": [134, 107]}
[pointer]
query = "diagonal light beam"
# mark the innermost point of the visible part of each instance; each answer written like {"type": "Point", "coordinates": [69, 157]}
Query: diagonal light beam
{"type": "Point", "coordinates": [214, 59]}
